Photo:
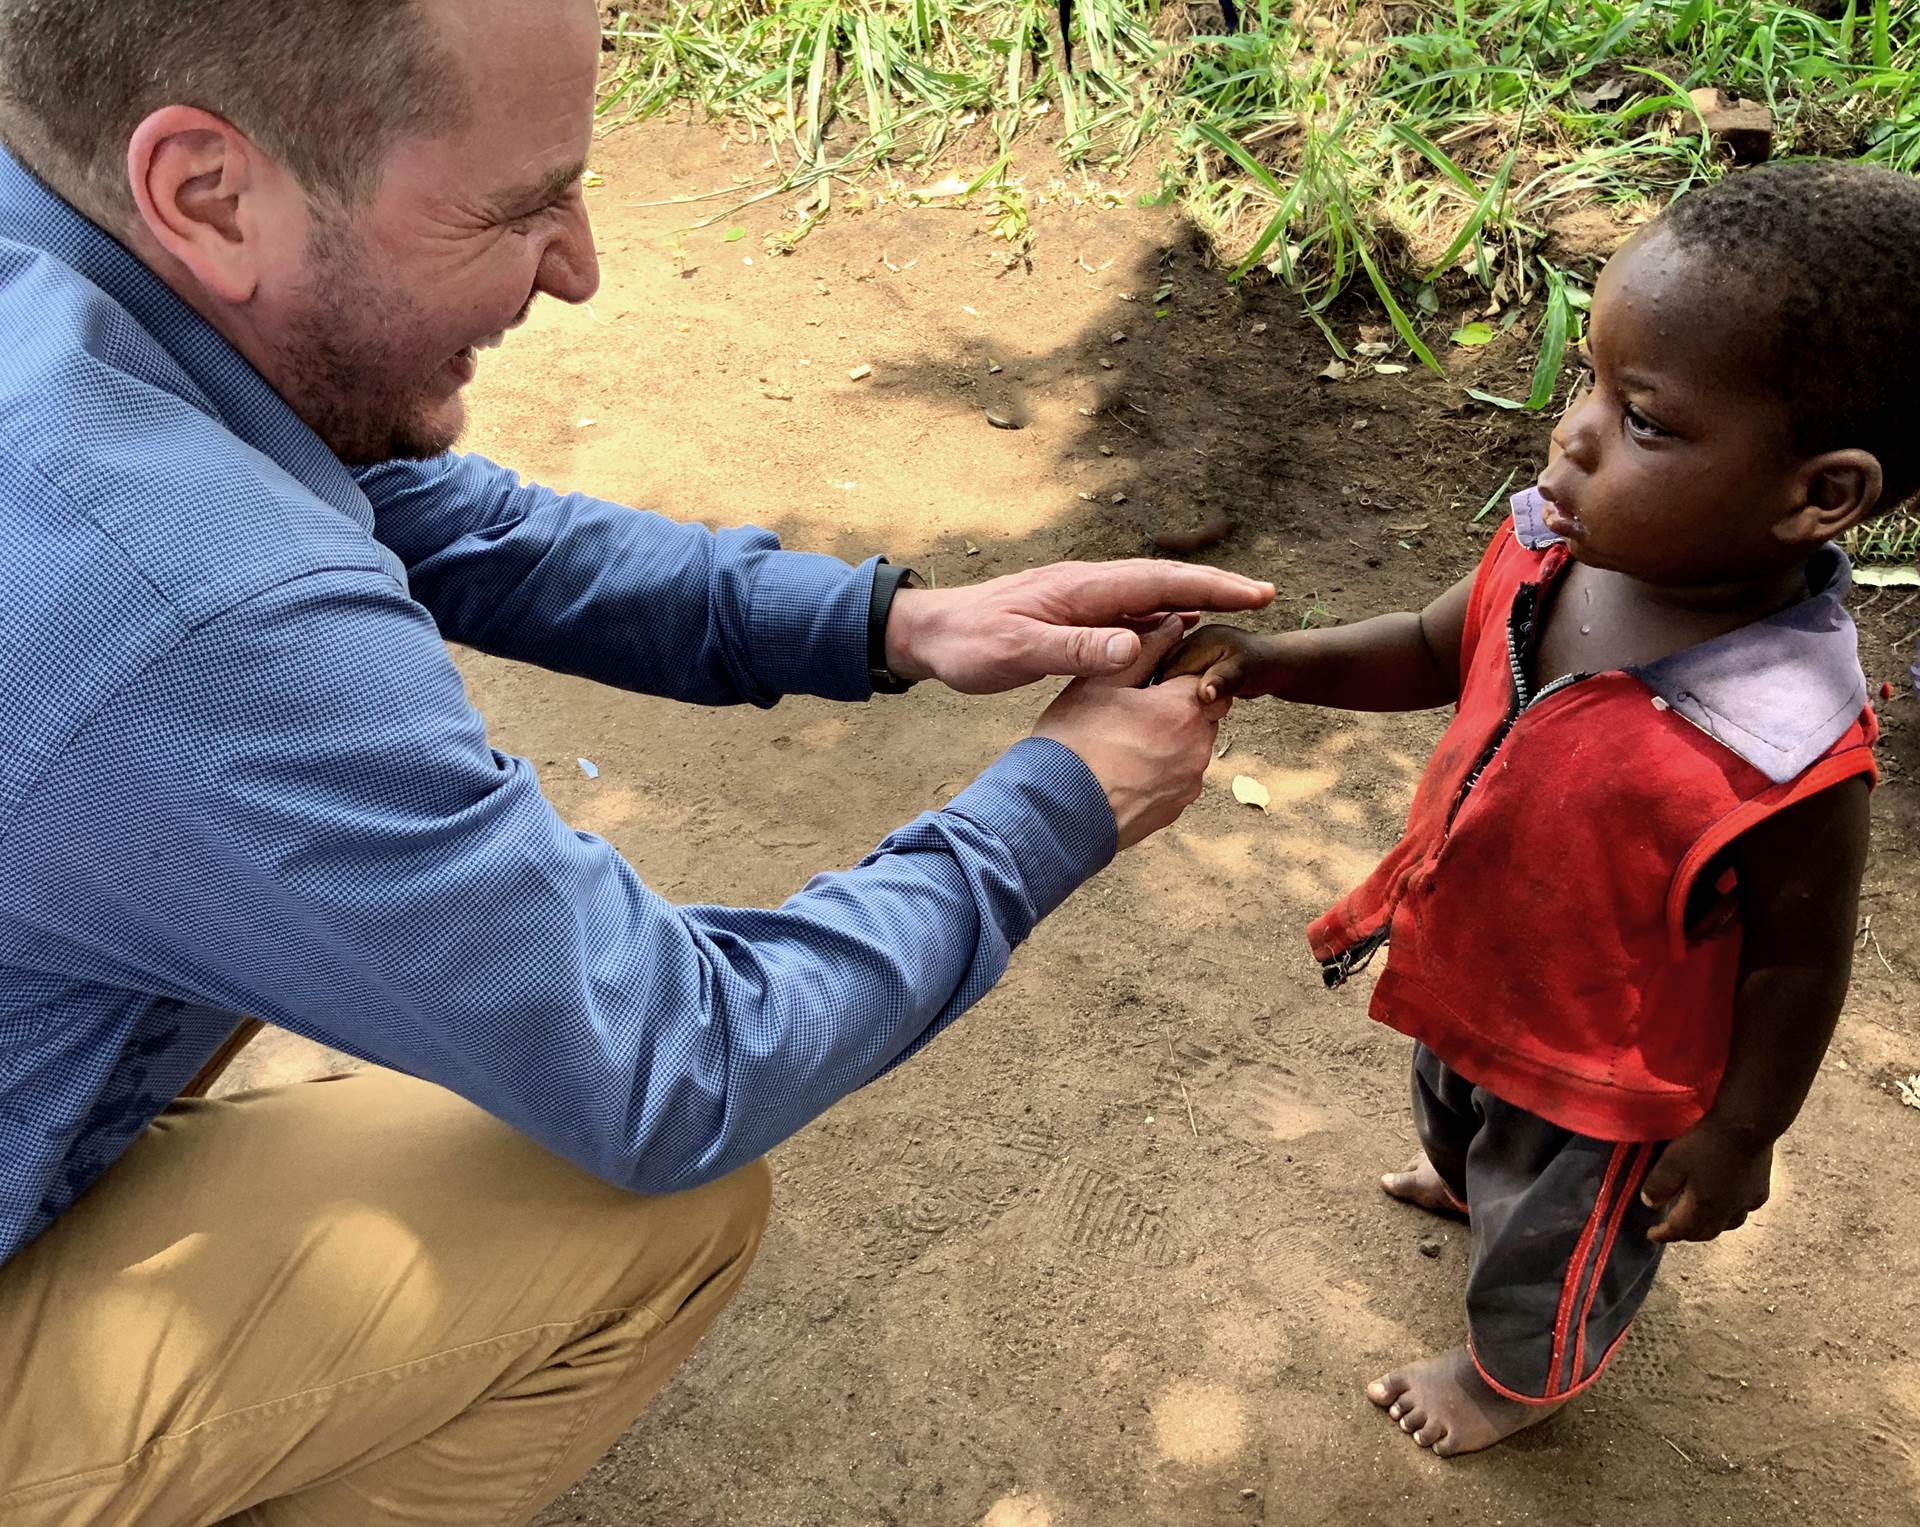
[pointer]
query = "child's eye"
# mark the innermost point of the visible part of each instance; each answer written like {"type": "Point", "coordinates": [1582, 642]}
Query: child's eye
{"type": "Point", "coordinates": [1639, 423]}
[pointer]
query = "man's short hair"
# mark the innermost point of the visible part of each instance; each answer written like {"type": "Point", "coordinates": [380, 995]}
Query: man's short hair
{"type": "Point", "coordinates": [328, 87]}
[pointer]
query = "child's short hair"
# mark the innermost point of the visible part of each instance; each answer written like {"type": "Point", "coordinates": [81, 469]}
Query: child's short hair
{"type": "Point", "coordinates": [1831, 251]}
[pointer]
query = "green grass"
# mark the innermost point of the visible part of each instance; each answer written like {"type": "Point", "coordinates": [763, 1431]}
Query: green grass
{"type": "Point", "coordinates": [1432, 168]}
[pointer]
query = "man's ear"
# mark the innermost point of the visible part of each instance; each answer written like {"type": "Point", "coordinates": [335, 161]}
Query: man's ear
{"type": "Point", "coordinates": [1837, 490]}
{"type": "Point", "coordinates": [196, 180]}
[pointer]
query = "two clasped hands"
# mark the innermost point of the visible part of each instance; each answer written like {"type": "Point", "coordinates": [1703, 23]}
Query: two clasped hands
{"type": "Point", "coordinates": [1147, 746]}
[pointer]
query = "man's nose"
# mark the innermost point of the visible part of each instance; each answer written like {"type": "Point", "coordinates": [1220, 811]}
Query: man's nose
{"type": "Point", "coordinates": [570, 268]}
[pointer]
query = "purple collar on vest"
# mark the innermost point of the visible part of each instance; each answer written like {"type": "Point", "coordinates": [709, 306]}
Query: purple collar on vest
{"type": "Point", "coordinates": [1779, 692]}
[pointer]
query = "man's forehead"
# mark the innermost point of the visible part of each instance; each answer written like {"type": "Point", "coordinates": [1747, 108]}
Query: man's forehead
{"type": "Point", "coordinates": [522, 64]}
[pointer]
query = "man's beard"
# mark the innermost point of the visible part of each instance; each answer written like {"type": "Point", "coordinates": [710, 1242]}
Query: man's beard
{"type": "Point", "coordinates": [347, 369]}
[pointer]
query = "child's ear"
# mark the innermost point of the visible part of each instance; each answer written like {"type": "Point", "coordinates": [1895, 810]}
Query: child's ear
{"type": "Point", "coordinates": [1837, 491]}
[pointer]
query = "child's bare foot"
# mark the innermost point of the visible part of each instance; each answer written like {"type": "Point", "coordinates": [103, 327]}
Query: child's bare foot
{"type": "Point", "coordinates": [1444, 1404]}
{"type": "Point", "coordinates": [1420, 1184]}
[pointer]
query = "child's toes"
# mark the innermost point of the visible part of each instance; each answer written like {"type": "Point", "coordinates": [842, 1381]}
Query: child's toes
{"type": "Point", "coordinates": [1433, 1435]}
{"type": "Point", "coordinates": [1411, 1417]}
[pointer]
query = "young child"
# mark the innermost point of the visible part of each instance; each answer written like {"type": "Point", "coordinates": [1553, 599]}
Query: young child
{"type": "Point", "coordinates": [1623, 913]}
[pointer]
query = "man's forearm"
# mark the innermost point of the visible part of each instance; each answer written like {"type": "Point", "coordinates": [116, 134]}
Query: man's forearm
{"type": "Point", "coordinates": [407, 894]}
{"type": "Point", "coordinates": [618, 595]}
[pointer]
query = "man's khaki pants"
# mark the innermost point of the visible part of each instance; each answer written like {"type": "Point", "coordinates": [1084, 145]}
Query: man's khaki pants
{"type": "Point", "coordinates": [354, 1301]}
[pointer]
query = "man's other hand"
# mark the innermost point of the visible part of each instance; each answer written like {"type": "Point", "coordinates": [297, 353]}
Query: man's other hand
{"type": "Point", "coordinates": [1082, 619]}
{"type": "Point", "coordinates": [1149, 748]}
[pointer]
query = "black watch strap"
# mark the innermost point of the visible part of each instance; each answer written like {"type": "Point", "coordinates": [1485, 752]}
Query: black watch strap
{"type": "Point", "coordinates": [888, 580]}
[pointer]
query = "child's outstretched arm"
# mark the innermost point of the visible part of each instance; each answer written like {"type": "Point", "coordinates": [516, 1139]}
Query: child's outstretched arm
{"type": "Point", "coordinates": [1404, 661]}
{"type": "Point", "coordinates": [1799, 900]}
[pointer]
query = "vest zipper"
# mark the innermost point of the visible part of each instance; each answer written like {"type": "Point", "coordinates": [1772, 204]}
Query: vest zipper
{"type": "Point", "coordinates": [1354, 957]}
{"type": "Point", "coordinates": [1523, 636]}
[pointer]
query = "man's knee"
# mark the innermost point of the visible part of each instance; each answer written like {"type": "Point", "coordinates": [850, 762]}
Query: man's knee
{"type": "Point", "coordinates": [745, 1199]}
{"type": "Point", "coordinates": [700, 1241]}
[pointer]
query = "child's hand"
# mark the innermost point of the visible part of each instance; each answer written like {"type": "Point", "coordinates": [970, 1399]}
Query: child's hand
{"type": "Point", "coordinates": [1223, 656]}
{"type": "Point", "coordinates": [1711, 1178]}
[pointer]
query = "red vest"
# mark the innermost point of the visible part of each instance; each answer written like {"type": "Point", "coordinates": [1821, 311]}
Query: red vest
{"type": "Point", "coordinates": [1555, 934]}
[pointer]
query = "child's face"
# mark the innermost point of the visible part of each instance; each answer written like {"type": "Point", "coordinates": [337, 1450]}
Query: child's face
{"type": "Point", "coordinates": [1676, 463]}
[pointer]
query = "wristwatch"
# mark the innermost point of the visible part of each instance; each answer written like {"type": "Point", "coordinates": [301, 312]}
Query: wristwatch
{"type": "Point", "coordinates": [888, 580]}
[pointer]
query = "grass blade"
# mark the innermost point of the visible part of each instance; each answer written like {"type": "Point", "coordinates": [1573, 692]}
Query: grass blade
{"type": "Point", "coordinates": [1402, 325]}
{"type": "Point", "coordinates": [1498, 495]}
{"type": "Point", "coordinates": [1553, 342]}
{"type": "Point", "coordinates": [1482, 210]}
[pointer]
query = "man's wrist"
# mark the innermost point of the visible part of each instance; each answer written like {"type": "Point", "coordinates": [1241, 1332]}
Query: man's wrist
{"type": "Point", "coordinates": [891, 669]}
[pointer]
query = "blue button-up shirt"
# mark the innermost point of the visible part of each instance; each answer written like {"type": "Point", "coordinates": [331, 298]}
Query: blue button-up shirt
{"type": "Point", "coordinates": [239, 774]}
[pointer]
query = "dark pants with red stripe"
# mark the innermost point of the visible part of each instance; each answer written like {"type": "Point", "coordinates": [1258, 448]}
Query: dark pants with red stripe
{"type": "Point", "coordinates": [1561, 1260]}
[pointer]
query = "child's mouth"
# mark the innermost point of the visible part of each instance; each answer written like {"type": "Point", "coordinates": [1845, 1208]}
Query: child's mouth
{"type": "Point", "coordinates": [1560, 522]}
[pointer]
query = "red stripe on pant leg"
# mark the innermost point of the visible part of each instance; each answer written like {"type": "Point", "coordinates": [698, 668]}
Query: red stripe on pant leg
{"type": "Point", "coordinates": [1636, 1174]}
{"type": "Point", "coordinates": [1570, 1288]}
{"type": "Point", "coordinates": [1533, 1399]}
{"type": "Point", "coordinates": [1496, 1386]}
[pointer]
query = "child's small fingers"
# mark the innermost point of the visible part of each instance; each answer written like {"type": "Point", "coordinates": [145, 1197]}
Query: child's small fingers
{"type": "Point", "coordinates": [1682, 1223]}
{"type": "Point", "coordinates": [1661, 1185]}
{"type": "Point", "coordinates": [1182, 660]}
{"type": "Point", "coordinates": [1223, 678]}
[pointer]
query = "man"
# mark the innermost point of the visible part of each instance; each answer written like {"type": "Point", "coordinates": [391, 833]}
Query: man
{"type": "Point", "coordinates": [249, 255]}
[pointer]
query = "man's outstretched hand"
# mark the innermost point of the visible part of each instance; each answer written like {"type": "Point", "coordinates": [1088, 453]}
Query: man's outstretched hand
{"type": "Point", "coordinates": [1082, 619]}
{"type": "Point", "coordinates": [1148, 748]}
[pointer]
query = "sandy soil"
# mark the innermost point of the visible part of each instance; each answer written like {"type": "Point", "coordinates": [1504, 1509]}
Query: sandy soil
{"type": "Point", "coordinates": [1112, 1252]}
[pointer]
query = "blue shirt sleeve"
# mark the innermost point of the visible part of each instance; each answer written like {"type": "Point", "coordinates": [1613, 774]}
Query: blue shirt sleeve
{"type": "Point", "coordinates": [295, 813]}
{"type": "Point", "coordinates": [620, 595]}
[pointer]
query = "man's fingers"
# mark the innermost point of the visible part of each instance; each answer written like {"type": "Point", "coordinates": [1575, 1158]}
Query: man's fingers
{"type": "Point", "coordinates": [1083, 652]}
{"type": "Point", "coordinates": [1188, 688]}
{"type": "Point", "coordinates": [1152, 649]}
{"type": "Point", "coordinates": [1142, 583]}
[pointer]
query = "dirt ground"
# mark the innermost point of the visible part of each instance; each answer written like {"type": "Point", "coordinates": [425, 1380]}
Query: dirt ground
{"type": "Point", "coordinates": [1112, 1251]}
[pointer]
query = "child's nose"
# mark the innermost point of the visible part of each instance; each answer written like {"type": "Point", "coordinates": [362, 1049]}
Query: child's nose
{"type": "Point", "coordinates": [1574, 435]}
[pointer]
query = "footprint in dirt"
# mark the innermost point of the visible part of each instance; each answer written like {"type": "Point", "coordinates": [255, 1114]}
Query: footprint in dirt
{"type": "Point", "coordinates": [1091, 1211]}
{"type": "Point", "coordinates": [1199, 1423]}
{"type": "Point", "coordinates": [1018, 1511]}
